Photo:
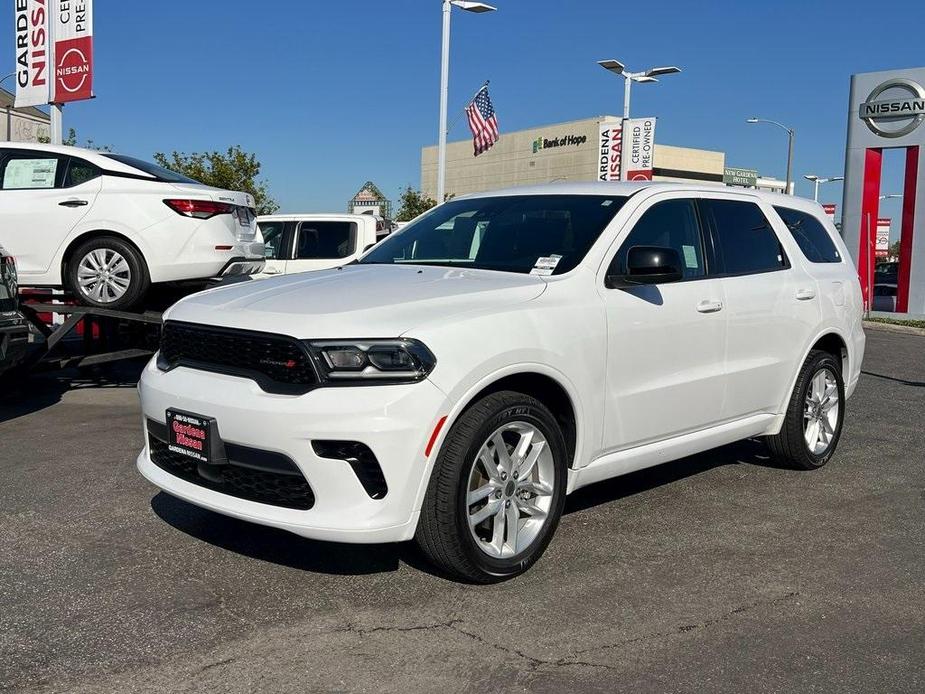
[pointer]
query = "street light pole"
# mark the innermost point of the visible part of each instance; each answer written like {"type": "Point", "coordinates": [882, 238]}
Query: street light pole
{"type": "Point", "coordinates": [9, 115]}
{"type": "Point", "coordinates": [817, 180]}
{"type": "Point", "coordinates": [789, 145]}
{"type": "Point", "coordinates": [619, 69]}
{"type": "Point", "coordinates": [445, 84]}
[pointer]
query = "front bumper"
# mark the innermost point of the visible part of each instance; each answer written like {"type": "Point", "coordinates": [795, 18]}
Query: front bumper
{"type": "Point", "coordinates": [394, 421]}
{"type": "Point", "coordinates": [14, 341]}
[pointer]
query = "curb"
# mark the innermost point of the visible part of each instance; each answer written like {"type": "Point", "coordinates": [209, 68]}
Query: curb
{"type": "Point", "coordinates": [893, 328]}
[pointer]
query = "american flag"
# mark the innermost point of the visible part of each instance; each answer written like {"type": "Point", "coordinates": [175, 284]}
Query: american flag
{"type": "Point", "coordinates": [482, 121]}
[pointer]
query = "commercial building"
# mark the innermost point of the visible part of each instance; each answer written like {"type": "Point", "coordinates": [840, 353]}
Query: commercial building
{"type": "Point", "coordinates": [569, 151]}
{"type": "Point", "coordinates": [27, 124]}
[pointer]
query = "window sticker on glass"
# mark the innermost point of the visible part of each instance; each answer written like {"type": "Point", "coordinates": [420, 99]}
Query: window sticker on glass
{"type": "Point", "coordinates": [545, 265]}
{"type": "Point", "coordinates": [690, 257]}
{"type": "Point", "coordinates": [30, 173]}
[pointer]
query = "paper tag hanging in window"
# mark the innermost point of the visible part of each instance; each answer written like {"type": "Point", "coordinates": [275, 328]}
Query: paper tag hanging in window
{"type": "Point", "coordinates": [545, 265]}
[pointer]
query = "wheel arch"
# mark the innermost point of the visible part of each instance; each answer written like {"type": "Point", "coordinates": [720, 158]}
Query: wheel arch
{"type": "Point", "coordinates": [93, 234]}
{"type": "Point", "coordinates": [829, 340]}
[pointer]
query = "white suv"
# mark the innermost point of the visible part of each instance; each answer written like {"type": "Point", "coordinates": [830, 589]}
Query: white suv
{"type": "Point", "coordinates": [500, 352]}
{"type": "Point", "coordinates": [107, 226]}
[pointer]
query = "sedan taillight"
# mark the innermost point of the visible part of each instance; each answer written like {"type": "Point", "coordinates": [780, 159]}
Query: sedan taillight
{"type": "Point", "coordinates": [200, 209]}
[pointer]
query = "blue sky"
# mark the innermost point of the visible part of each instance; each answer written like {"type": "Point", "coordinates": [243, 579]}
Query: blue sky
{"type": "Point", "coordinates": [329, 94]}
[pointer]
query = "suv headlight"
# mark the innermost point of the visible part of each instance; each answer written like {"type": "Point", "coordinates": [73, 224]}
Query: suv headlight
{"type": "Point", "coordinates": [393, 361]}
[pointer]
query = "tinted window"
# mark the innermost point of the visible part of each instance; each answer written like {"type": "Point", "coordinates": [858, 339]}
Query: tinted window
{"type": "Point", "coordinates": [31, 170]}
{"type": "Point", "coordinates": [159, 172]}
{"type": "Point", "coordinates": [273, 235]}
{"type": "Point", "coordinates": [669, 224]}
{"type": "Point", "coordinates": [810, 235]}
{"type": "Point", "coordinates": [80, 171]}
{"type": "Point", "coordinates": [510, 233]}
{"type": "Point", "coordinates": [319, 240]}
{"type": "Point", "coordinates": [744, 241]}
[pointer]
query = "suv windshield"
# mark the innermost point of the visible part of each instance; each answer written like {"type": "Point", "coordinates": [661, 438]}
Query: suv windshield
{"type": "Point", "coordinates": [159, 172]}
{"type": "Point", "coordinates": [551, 233]}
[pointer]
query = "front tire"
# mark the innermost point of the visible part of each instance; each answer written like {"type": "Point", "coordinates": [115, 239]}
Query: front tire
{"type": "Point", "coordinates": [813, 422]}
{"type": "Point", "coordinates": [497, 490]}
{"type": "Point", "coordinates": [107, 272]}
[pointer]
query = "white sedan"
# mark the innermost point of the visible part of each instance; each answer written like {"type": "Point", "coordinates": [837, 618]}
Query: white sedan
{"type": "Point", "coordinates": [107, 226]}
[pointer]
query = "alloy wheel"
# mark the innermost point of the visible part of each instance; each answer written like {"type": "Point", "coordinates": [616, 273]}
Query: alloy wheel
{"type": "Point", "coordinates": [103, 275]}
{"type": "Point", "coordinates": [510, 490]}
{"type": "Point", "coordinates": [820, 414]}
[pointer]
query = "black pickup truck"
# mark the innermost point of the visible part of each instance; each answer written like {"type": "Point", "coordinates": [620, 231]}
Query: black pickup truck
{"type": "Point", "coordinates": [14, 331]}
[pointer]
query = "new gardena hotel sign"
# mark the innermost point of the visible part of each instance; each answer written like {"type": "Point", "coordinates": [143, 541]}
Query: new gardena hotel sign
{"type": "Point", "coordinates": [54, 51]}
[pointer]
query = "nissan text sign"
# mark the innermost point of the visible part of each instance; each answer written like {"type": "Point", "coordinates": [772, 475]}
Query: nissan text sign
{"type": "Point", "coordinates": [33, 68]}
{"type": "Point", "coordinates": [73, 36]}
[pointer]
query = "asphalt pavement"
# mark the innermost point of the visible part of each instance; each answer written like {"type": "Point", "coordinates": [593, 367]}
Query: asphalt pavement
{"type": "Point", "coordinates": [719, 572]}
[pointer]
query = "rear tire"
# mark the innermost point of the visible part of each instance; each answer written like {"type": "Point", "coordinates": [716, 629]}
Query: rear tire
{"type": "Point", "coordinates": [107, 272]}
{"type": "Point", "coordinates": [813, 421]}
{"type": "Point", "coordinates": [489, 514]}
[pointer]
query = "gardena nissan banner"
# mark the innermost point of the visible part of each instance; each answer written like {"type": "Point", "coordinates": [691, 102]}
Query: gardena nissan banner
{"type": "Point", "coordinates": [33, 64]}
{"type": "Point", "coordinates": [609, 148]}
{"type": "Point", "coordinates": [72, 30]}
{"type": "Point", "coordinates": [639, 150]}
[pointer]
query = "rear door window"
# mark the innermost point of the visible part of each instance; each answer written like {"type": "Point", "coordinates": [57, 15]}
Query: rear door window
{"type": "Point", "coordinates": [25, 170]}
{"type": "Point", "coordinates": [325, 240]}
{"type": "Point", "coordinates": [810, 235]}
{"type": "Point", "coordinates": [743, 241]}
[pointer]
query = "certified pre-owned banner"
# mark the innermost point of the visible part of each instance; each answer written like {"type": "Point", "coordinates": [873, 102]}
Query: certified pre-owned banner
{"type": "Point", "coordinates": [72, 28]}
{"type": "Point", "coordinates": [640, 147]}
{"type": "Point", "coordinates": [33, 63]}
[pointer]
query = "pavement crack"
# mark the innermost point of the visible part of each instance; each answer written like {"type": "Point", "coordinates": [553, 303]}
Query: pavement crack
{"type": "Point", "coordinates": [686, 628]}
{"type": "Point", "coordinates": [217, 663]}
{"type": "Point", "coordinates": [352, 629]}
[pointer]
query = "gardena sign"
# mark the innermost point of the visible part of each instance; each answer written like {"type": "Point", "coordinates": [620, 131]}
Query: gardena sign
{"type": "Point", "coordinates": [740, 177]}
{"type": "Point", "coordinates": [907, 112]}
{"type": "Point", "coordinates": [566, 141]}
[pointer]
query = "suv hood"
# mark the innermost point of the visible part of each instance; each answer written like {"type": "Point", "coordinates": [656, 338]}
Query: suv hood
{"type": "Point", "coordinates": [356, 300]}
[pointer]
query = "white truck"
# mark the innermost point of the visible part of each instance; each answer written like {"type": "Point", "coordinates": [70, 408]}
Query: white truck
{"type": "Point", "coordinates": [303, 242]}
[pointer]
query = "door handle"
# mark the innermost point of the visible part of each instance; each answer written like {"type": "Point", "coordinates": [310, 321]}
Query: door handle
{"type": "Point", "coordinates": [707, 306]}
{"type": "Point", "coordinates": [806, 294]}
{"type": "Point", "coordinates": [73, 202]}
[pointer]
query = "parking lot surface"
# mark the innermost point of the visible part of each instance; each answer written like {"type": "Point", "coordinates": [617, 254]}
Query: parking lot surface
{"type": "Point", "coordinates": [719, 572]}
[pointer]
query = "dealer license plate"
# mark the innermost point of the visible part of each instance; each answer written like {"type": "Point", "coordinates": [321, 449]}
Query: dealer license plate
{"type": "Point", "coordinates": [190, 435]}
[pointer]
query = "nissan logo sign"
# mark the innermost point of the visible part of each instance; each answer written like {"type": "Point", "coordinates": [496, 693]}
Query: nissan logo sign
{"type": "Point", "coordinates": [903, 107]}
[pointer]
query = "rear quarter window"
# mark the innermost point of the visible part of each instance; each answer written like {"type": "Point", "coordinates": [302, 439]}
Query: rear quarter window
{"type": "Point", "coordinates": [811, 236]}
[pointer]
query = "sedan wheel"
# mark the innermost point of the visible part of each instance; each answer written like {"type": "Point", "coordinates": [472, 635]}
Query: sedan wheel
{"type": "Point", "coordinates": [103, 276]}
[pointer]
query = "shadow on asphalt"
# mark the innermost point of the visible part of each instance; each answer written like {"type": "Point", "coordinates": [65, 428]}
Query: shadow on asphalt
{"type": "Point", "coordinates": [287, 549]}
{"type": "Point", "coordinates": [24, 394]}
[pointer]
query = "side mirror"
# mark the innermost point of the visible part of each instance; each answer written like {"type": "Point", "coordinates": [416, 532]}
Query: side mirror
{"type": "Point", "coordinates": [648, 265]}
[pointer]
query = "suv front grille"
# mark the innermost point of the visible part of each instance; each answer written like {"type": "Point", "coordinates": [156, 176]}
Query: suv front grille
{"type": "Point", "coordinates": [278, 363]}
{"type": "Point", "coordinates": [286, 489]}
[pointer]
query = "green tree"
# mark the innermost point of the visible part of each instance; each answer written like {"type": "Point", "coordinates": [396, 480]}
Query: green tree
{"type": "Point", "coordinates": [894, 249]}
{"type": "Point", "coordinates": [413, 202]}
{"type": "Point", "coordinates": [234, 169]}
{"type": "Point", "coordinates": [71, 141]}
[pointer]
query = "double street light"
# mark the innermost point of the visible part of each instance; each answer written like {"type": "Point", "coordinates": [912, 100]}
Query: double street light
{"type": "Point", "coordinates": [643, 77]}
{"type": "Point", "coordinates": [817, 180]}
{"type": "Point", "coordinates": [477, 7]}
{"type": "Point", "coordinates": [789, 146]}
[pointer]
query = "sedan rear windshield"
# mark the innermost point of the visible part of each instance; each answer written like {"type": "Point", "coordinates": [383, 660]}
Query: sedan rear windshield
{"type": "Point", "coordinates": [159, 172]}
{"type": "Point", "coordinates": [543, 234]}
